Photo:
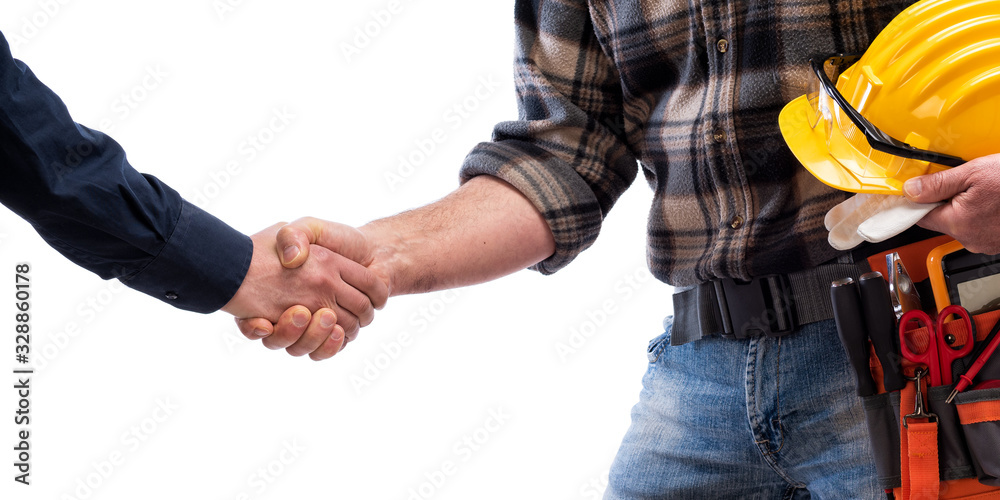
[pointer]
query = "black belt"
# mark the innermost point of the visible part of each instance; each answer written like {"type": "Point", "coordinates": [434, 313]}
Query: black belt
{"type": "Point", "coordinates": [772, 305]}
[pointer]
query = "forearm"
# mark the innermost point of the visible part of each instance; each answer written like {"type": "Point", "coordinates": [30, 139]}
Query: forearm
{"type": "Point", "coordinates": [78, 190]}
{"type": "Point", "coordinates": [482, 231]}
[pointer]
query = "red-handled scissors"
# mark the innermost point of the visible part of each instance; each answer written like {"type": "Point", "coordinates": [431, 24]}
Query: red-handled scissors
{"type": "Point", "coordinates": [939, 356]}
{"type": "Point", "coordinates": [929, 357]}
{"type": "Point", "coordinates": [946, 353]}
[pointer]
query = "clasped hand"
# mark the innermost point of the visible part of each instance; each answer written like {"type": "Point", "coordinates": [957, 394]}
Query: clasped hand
{"type": "Point", "coordinates": [308, 289]}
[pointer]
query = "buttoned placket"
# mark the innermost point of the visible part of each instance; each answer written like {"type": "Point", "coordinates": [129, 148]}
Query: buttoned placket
{"type": "Point", "coordinates": [724, 63]}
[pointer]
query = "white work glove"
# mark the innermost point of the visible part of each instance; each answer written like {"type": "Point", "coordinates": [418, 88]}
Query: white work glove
{"type": "Point", "coordinates": [872, 218]}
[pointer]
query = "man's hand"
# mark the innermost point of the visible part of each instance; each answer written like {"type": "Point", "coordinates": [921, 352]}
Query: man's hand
{"type": "Point", "coordinates": [297, 243]}
{"type": "Point", "coordinates": [971, 213]}
{"type": "Point", "coordinates": [343, 294]}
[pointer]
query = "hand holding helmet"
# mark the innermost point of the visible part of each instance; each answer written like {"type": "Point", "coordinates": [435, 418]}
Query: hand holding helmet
{"type": "Point", "coordinates": [971, 209]}
{"type": "Point", "coordinates": [923, 98]}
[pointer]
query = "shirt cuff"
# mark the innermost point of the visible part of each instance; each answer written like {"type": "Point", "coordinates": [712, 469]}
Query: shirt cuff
{"type": "Point", "coordinates": [564, 199]}
{"type": "Point", "coordinates": [200, 267]}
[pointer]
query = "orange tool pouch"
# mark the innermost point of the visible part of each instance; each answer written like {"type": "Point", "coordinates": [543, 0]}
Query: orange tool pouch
{"type": "Point", "coordinates": [954, 454]}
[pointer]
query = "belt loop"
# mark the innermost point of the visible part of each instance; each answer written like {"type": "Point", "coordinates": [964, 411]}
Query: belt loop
{"type": "Point", "coordinates": [723, 305]}
{"type": "Point", "coordinates": [783, 304]}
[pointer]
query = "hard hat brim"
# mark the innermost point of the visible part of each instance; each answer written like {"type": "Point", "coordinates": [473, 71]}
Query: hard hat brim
{"type": "Point", "coordinates": [809, 146]}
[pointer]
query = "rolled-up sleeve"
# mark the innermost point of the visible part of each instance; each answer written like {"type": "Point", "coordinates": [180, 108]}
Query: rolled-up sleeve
{"type": "Point", "coordinates": [566, 152]}
{"type": "Point", "coordinates": [78, 190]}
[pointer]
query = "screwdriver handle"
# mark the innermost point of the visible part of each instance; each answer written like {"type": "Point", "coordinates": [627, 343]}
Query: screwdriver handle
{"type": "Point", "coordinates": [881, 321]}
{"type": "Point", "coordinates": [853, 334]}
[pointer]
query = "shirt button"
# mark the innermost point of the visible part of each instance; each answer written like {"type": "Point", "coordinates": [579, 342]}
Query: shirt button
{"type": "Point", "coordinates": [737, 222]}
{"type": "Point", "coordinates": [719, 136]}
{"type": "Point", "coordinates": [723, 45]}
{"type": "Point", "coordinates": [171, 295]}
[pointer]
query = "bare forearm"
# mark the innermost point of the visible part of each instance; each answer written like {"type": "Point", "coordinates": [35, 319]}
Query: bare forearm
{"type": "Point", "coordinates": [482, 231]}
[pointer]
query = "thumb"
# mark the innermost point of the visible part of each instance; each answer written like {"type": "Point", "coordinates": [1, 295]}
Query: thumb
{"type": "Point", "coordinates": [939, 186]}
{"type": "Point", "coordinates": [293, 241]}
{"type": "Point", "coordinates": [254, 328]}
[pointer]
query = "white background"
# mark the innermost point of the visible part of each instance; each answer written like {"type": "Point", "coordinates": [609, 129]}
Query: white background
{"type": "Point", "coordinates": [199, 80]}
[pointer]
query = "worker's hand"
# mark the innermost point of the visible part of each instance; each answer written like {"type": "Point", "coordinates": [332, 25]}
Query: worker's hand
{"type": "Point", "coordinates": [316, 306]}
{"type": "Point", "coordinates": [971, 213]}
{"type": "Point", "coordinates": [295, 243]}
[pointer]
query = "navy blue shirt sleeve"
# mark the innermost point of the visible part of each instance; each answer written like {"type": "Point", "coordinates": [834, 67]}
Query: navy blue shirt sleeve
{"type": "Point", "coordinates": [77, 189]}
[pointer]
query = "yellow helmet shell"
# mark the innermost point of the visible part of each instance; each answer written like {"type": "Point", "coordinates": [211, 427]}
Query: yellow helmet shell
{"type": "Point", "coordinates": [930, 79]}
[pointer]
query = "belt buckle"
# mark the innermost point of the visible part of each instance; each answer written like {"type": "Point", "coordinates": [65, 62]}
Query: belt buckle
{"type": "Point", "coordinates": [761, 306]}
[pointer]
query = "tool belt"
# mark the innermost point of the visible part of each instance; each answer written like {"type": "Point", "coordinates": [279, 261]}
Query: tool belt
{"type": "Point", "coordinates": [929, 441]}
{"type": "Point", "coordinates": [773, 305]}
{"type": "Point", "coordinates": [926, 447]}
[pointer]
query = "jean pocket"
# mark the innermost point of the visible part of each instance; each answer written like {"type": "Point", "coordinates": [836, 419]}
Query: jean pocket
{"type": "Point", "coordinates": [979, 412]}
{"type": "Point", "coordinates": [660, 342]}
{"type": "Point", "coordinates": [883, 430]}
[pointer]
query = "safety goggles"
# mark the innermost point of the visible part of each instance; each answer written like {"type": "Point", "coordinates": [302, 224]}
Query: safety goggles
{"type": "Point", "coordinates": [850, 138]}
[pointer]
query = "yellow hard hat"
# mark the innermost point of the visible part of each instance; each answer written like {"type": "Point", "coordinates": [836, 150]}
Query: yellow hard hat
{"type": "Point", "coordinates": [924, 97]}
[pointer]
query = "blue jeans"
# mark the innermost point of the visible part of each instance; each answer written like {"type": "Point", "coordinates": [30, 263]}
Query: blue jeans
{"type": "Point", "coordinates": [759, 418]}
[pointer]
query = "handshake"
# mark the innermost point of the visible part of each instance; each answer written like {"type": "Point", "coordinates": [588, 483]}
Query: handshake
{"type": "Point", "coordinates": [311, 286]}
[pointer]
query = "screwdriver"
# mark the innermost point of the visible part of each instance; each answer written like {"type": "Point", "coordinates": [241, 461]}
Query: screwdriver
{"type": "Point", "coordinates": [981, 355]}
{"type": "Point", "coordinates": [851, 328]}
{"type": "Point", "coordinates": [881, 321]}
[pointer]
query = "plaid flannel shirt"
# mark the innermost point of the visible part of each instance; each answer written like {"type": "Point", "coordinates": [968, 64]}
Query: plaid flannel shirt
{"type": "Point", "coordinates": [691, 91]}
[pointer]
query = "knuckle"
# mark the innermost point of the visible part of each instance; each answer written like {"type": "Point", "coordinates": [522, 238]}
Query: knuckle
{"type": "Point", "coordinates": [244, 328]}
{"type": "Point", "coordinates": [320, 281]}
{"type": "Point", "coordinates": [361, 305]}
{"type": "Point", "coordinates": [366, 320]}
{"type": "Point", "coordinates": [350, 336]}
{"type": "Point", "coordinates": [321, 255]}
{"type": "Point", "coordinates": [368, 280]}
{"type": "Point", "coordinates": [271, 343]}
{"type": "Point", "coordinates": [326, 351]}
{"type": "Point", "coordinates": [934, 184]}
{"type": "Point", "coordinates": [296, 351]}
{"type": "Point", "coordinates": [283, 338]}
{"type": "Point", "coordinates": [351, 331]}
{"type": "Point", "coordinates": [251, 335]}
{"type": "Point", "coordinates": [289, 230]}
{"type": "Point", "coordinates": [376, 290]}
